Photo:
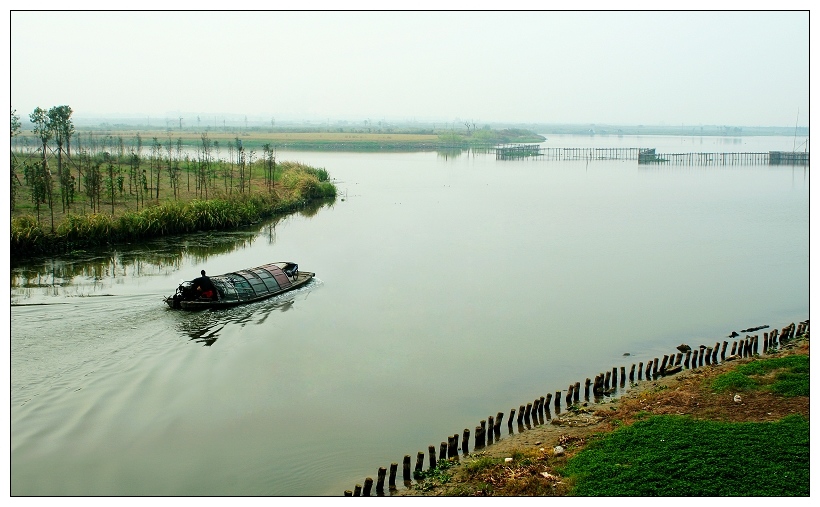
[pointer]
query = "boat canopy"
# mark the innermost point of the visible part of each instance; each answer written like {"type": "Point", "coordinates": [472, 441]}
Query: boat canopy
{"type": "Point", "coordinates": [251, 283]}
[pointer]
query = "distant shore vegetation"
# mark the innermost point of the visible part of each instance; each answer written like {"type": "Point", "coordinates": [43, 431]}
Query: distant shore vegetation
{"type": "Point", "coordinates": [74, 189]}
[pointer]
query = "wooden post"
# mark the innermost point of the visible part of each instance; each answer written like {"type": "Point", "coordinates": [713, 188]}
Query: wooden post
{"type": "Point", "coordinates": [455, 445]}
{"type": "Point", "coordinates": [442, 451]}
{"type": "Point", "coordinates": [678, 358]}
{"type": "Point", "coordinates": [465, 442]}
{"type": "Point", "coordinates": [640, 370]}
{"type": "Point", "coordinates": [702, 353]}
{"type": "Point", "coordinates": [499, 416]}
{"type": "Point", "coordinates": [663, 364]}
{"type": "Point", "coordinates": [723, 351]}
{"type": "Point", "coordinates": [450, 446]}
{"type": "Point", "coordinates": [569, 394]}
{"type": "Point", "coordinates": [357, 490]}
{"type": "Point", "coordinates": [708, 356]}
{"type": "Point", "coordinates": [405, 468]}
{"type": "Point", "coordinates": [527, 412]}
{"type": "Point", "coordinates": [368, 485]}
{"type": "Point", "coordinates": [419, 461]}
{"type": "Point", "coordinates": [614, 376]}
{"type": "Point", "coordinates": [606, 379]}
{"type": "Point", "coordinates": [715, 353]}
{"type": "Point", "coordinates": [380, 479]}
{"type": "Point", "coordinates": [490, 424]}
{"type": "Point", "coordinates": [688, 357]}
{"type": "Point", "coordinates": [694, 359]}
{"type": "Point", "coordinates": [588, 382]}
{"type": "Point", "coordinates": [765, 342]}
{"type": "Point", "coordinates": [576, 393]}
{"type": "Point", "coordinates": [394, 468]}
{"type": "Point", "coordinates": [479, 438]}
{"type": "Point", "coordinates": [348, 492]}
{"type": "Point", "coordinates": [520, 419]}
{"type": "Point", "coordinates": [510, 420]}
{"type": "Point", "coordinates": [655, 368]}
{"type": "Point", "coordinates": [557, 399]}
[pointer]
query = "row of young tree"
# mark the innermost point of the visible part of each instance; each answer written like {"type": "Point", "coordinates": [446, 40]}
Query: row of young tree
{"type": "Point", "coordinates": [100, 166]}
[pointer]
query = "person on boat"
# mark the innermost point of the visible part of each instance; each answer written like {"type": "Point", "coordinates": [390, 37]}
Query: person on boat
{"type": "Point", "coordinates": [204, 287]}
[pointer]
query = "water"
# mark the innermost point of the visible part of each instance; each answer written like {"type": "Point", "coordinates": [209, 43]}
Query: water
{"type": "Point", "coordinates": [448, 289]}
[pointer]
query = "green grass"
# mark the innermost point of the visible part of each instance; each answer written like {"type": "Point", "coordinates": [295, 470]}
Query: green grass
{"type": "Point", "coordinates": [431, 478]}
{"type": "Point", "coordinates": [791, 376]}
{"type": "Point", "coordinates": [680, 456]}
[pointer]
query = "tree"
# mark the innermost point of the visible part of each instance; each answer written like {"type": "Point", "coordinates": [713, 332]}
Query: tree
{"type": "Point", "coordinates": [110, 181]}
{"type": "Point", "coordinates": [44, 130]}
{"type": "Point", "coordinates": [15, 180]}
{"type": "Point", "coordinates": [251, 157]}
{"type": "Point", "coordinates": [93, 185]}
{"type": "Point", "coordinates": [240, 160]}
{"type": "Point", "coordinates": [267, 157]}
{"type": "Point", "coordinates": [204, 165]}
{"type": "Point", "coordinates": [59, 118]}
{"type": "Point", "coordinates": [156, 154]}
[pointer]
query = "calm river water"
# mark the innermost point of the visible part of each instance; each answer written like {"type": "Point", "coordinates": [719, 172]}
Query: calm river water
{"type": "Point", "coordinates": [448, 289]}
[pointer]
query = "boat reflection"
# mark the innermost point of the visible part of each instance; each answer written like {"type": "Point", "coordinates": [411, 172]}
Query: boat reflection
{"type": "Point", "coordinates": [206, 326]}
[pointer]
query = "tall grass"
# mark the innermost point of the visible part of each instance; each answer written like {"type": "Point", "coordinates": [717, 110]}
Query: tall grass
{"type": "Point", "coordinates": [303, 183]}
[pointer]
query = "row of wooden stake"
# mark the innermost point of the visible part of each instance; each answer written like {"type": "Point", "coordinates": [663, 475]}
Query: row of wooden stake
{"type": "Point", "coordinates": [604, 384]}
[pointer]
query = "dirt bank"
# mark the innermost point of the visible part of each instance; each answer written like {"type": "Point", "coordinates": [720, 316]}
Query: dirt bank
{"type": "Point", "coordinates": [685, 393]}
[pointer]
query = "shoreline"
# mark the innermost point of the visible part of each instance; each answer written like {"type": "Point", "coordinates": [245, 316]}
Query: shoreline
{"type": "Point", "coordinates": [585, 421]}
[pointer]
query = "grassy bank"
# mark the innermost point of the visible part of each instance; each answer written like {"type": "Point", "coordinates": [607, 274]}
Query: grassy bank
{"type": "Point", "coordinates": [739, 428]}
{"type": "Point", "coordinates": [293, 188]}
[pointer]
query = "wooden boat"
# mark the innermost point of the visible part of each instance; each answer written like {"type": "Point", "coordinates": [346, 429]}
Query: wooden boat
{"type": "Point", "coordinates": [241, 287]}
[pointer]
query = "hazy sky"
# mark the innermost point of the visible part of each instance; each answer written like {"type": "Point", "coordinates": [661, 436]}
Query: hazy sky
{"type": "Point", "coordinates": [651, 68]}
